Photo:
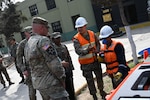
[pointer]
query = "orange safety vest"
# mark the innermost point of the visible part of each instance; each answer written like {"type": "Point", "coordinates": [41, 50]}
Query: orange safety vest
{"type": "Point", "coordinates": [110, 57]}
{"type": "Point", "coordinates": [90, 57]}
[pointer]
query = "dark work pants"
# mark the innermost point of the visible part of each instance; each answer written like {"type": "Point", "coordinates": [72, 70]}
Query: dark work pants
{"type": "Point", "coordinates": [88, 70]}
{"type": "Point", "coordinates": [70, 86]}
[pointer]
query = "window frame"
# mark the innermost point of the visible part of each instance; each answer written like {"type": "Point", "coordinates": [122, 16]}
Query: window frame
{"type": "Point", "coordinates": [33, 10]}
{"type": "Point", "coordinates": [56, 26]}
{"type": "Point", "coordinates": [50, 4]}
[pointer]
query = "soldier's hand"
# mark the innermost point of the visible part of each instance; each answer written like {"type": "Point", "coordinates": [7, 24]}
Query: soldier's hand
{"type": "Point", "coordinates": [65, 64]}
{"type": "Point", "coordinates": [26, 73]}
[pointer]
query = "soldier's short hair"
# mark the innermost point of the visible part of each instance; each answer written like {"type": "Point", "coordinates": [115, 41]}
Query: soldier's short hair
{"type": "Point", "coordinates": [40, 20]}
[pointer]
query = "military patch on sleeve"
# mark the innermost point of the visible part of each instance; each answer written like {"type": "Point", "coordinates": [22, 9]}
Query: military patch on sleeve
{"type": "Point", "coordinates": [49, 49]}
{"type": "Point", "coordinates": [46, 46]}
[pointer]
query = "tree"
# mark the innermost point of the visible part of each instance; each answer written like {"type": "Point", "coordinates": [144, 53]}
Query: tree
{"type": "Point", "coordinates": [10, 19]}
{"type": "Point", "coordinates": [109, 3]}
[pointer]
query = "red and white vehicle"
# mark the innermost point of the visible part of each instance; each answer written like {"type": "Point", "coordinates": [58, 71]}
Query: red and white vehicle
{"type": "Point", "coordinates": [136, 86]}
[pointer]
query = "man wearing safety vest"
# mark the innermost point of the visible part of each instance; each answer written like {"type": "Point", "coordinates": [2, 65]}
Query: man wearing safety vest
{"type": "Point", "coordinates": [87, 46]}
{"type": "Point", "coordinates": [114, 56]}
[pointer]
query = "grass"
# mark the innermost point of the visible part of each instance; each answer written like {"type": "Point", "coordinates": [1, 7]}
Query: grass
{"type": "Point", "coordinates": [131, 63]}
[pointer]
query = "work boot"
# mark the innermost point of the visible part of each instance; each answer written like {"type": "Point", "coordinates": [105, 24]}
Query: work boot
{"type": "Point", "coordinates": [22, 81]}
{"type": "Point", "coordinates": [94, 97]}
{"type": "Point", "coordinates": [10, 83]}
{"type": "Point", "coordinates": [103, 94]}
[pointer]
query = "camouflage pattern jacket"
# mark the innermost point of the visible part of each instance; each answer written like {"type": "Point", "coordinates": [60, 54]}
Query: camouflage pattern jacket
{"type": "Point", "coordinates": [64, 55]}
{"type": "Point", "coordinates": [46, 67]}
{"type": "Point", "coordinates": [13, 49]}
{"type": "Point", "coordinates": [21, 63]}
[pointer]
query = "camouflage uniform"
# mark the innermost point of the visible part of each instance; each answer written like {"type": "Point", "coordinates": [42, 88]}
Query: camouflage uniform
{"type": "Point", "coordinates": [4, 71]}
{"type": "Point", "coordinates": [13, 49]}
{"type": "Point", "coordinates": [64, 55]}
{"type": "Point", "coordinates": [47, 73]}
{"type": "Point", "coordinates": [22, 64]}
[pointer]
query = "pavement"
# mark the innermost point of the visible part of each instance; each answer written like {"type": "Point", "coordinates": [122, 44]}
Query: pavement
{"type": "Point", "coordinates": [141, 37]}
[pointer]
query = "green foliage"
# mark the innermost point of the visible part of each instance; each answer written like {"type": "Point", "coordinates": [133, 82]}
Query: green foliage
{"type": "Point", "coordinates": [131, 64]}
{"type": "Point", "coordinates": [10, 19]}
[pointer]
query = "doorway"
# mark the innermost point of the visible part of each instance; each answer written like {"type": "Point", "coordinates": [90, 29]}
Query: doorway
{"type": "Point", "coordinates": [130, 13]}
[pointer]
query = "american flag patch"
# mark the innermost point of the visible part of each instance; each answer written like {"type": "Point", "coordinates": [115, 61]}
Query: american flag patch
{"type": "Point", "coordinates": [46, 46]}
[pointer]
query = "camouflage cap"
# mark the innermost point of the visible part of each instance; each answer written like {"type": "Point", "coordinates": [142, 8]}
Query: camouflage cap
{"type": "Point", "coordinates": [40, 20]}
{"type": "Point", "coordinates": [11, 38]}
{"type": "Point", "coordinates": [56, 35]}
{"type": "Point", "coordinates": [28, 29]}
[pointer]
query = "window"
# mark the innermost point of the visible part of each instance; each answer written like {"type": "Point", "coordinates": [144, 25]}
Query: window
{"type": "Point", "coordinates": [33, 10]}
{"type": "Point", "coordinates": [74, 19]}
{"type": "Point", "coordinates": [56, 26]}
{"type": "Point", "coordinates": [50, 4]}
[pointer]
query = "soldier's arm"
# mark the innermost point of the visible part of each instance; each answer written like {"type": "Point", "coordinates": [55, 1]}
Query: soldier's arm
{"type": "Point", "coordinates": [20, 55]}
{"type": "Point", "coordinates": [53, 62]}
{"type": "Point", "coordinates": [69, 58]}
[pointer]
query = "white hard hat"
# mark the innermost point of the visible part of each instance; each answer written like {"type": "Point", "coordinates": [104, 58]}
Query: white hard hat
{"type": "Point", "coordinates": [105, 32]}
{"type": "Point", "coordinates": [80, 22]}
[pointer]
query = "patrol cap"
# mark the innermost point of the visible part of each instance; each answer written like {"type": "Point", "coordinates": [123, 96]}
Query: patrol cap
{"type": "Point", "coordinates": [56, 35]}
{"type": "Point", "coordinates": [40, 20]}
{"type": "Point", "coordinates": [28, 29]}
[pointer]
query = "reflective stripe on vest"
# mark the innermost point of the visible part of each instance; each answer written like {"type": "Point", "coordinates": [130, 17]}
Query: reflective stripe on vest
{"type": "Point", "coordinates": [90, 57]}
{"type": "Point", "coordinates": [110, 57]}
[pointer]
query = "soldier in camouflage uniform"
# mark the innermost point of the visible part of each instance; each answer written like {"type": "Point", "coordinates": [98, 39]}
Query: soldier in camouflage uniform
{"type": "Point", "coordinates": [22, 64]}
{"type": "Point", "coordinates": [4, 71]}
{"type": "Point", "coordinates": [64, 55]}
{"type": "Point", "coordinates": [13, 49]}
{"type": "Point", "coordinates": [48, 75]}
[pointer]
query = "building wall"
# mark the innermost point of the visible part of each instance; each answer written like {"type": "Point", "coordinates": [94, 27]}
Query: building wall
{"type": "Point", "coordinates": [63, 12]}
{"type": "Point", "coordinates": [135, 11]}
{"type": "Point", "coordinates": [142, 13]}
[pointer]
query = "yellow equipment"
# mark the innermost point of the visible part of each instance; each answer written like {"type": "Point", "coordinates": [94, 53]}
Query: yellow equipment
{"type": "Point", "coordinates": [117, 76]}
{"type": "Point", "coordinates": [100, 59]}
